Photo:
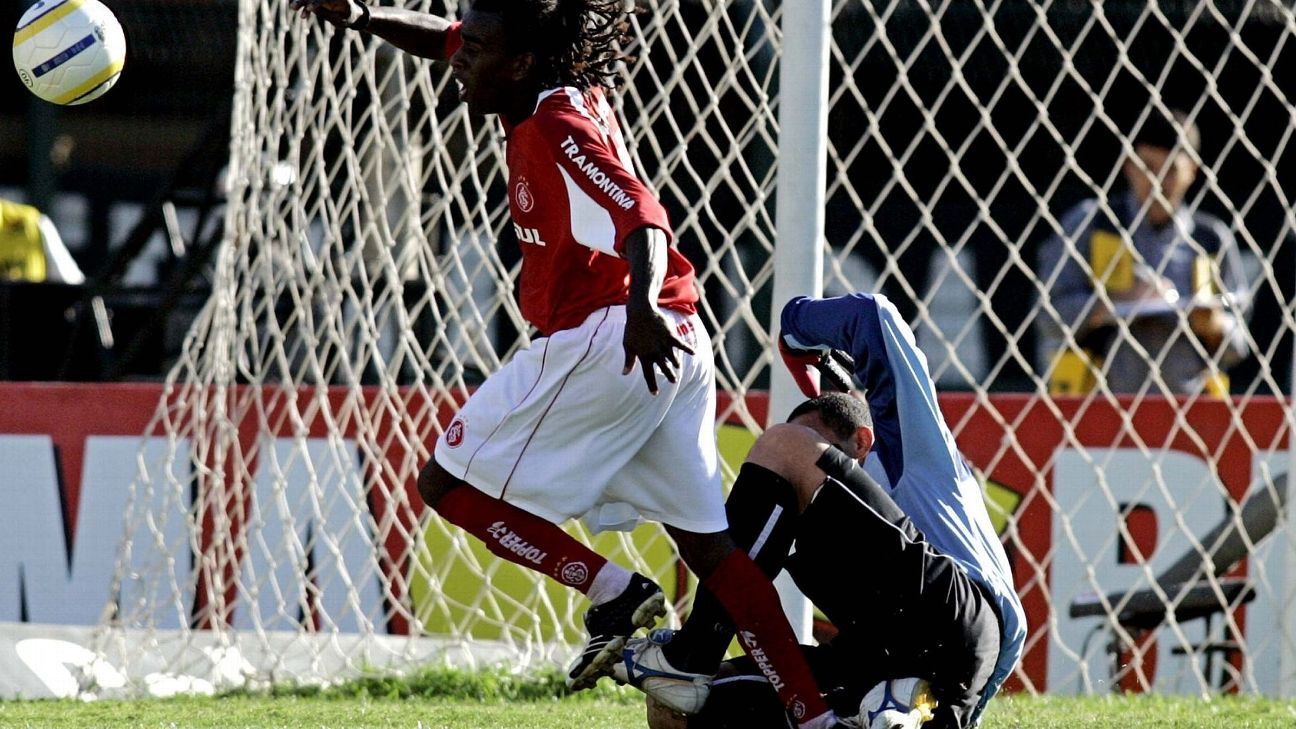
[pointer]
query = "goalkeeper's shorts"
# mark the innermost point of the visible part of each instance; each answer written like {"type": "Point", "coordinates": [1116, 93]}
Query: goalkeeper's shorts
{"type": "Point", "coordinates": [902, 608]}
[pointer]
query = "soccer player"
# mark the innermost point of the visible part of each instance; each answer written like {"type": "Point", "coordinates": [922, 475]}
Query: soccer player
{"type": "Point", "coordinates": [911, 570]}
{"type": "Point", "coordinates": [910, 621]}
{"type": "Point", "coordinates": [560, 431]}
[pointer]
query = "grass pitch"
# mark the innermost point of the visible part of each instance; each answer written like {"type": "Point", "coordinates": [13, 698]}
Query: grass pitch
{"type": "Point", "coordinates": [454, 700]}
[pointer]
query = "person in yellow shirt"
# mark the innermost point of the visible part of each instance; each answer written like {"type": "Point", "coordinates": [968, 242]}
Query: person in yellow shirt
{"type": "Point", "coordinates": [31, 249]}
{"type": "Point", "coordinates": [1149, 262]}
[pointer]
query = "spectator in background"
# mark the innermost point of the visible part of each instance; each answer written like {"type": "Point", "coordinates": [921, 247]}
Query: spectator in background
{"type": "Point", "coordinates": [1145, 261]}
{"type": "Point", "coordinates": [31, 249]}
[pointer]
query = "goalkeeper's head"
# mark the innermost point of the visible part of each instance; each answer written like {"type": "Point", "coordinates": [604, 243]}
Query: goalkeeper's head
{"type": "Point", "coordinates": [514, 49]}
{"type": "Point", "coordinates": [843, 419]}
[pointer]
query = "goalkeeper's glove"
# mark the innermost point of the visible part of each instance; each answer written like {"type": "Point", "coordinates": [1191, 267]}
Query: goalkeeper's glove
{"type": "Point", "coordinates": [809, 365]}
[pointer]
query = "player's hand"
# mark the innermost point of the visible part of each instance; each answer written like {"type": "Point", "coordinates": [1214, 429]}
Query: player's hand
{"type": "Point", "coordinates": [1100, 315]}
{"type": "Point", "coordinates": [1148, 285]}
{"type": "Point", "coordinates": [650, 340]}
{"type": "Point", "coordinates": [1209, 323]}
{"type": "Point", "coordinates": [341, 13]}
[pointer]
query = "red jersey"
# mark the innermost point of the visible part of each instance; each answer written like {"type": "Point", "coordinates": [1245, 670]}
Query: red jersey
{"type": "Point", "coordinates": [573, 198]}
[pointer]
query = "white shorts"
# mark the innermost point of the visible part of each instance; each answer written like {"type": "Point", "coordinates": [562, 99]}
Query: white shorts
{"type": "Point", "coordinates": [561, 433]}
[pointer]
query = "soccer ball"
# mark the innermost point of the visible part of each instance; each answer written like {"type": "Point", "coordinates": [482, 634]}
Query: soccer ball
{"type": "Point", "coordinates": [69, 51]}
{"type": "Point", "coordinates": [898, 703]}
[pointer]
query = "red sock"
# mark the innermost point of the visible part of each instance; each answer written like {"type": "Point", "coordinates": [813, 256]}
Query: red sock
{"type": "Point", "coordinates": [763, 630]}
{"type": "Point", "coordinates": [521, 537]}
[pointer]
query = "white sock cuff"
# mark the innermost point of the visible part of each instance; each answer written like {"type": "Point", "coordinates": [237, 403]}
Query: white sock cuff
{"type": "Point", "coordinates": [610, 581]}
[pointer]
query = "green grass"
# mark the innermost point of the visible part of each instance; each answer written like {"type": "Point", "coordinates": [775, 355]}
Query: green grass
{"type": "Point", "coordinates": [443, 699]}
{"type": "Point", "coordinates": [1138, 712]}
{"type": "Point", "coordinates": [319, 712]}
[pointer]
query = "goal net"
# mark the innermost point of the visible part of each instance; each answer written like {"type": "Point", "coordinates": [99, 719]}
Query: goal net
{"type": "Point", "coordinates": [364, 288]}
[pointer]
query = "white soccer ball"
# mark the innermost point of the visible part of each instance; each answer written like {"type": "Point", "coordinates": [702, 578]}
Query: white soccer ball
{"type": "Point", "coordinates": [898, 703]}
{"type": "Point", "coordinates": [69, 51]}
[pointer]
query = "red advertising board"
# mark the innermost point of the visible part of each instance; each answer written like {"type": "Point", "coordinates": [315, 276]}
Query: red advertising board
{"type": "Point", "coordinates": [1018, 442]}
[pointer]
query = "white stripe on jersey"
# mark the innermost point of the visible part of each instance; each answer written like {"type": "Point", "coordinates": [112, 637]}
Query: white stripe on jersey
{"type": "Point", "coordinates": [618, 141]}
{"type": "Point", "coordinates": [611, 135]}
{"type": "Point", "coordinates": [577, 100]}
{"type": "Point", "coordinates": [591, 223]}
{"type": "Point", "coordinates": [543, 95]}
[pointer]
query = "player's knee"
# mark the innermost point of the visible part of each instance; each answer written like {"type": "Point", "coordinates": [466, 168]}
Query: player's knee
{"type": "Point", "coordinates": [434, 482]}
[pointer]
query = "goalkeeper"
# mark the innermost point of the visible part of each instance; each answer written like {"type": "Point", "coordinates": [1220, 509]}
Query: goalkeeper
{"type": "Point", "coordinates": [910, 571]}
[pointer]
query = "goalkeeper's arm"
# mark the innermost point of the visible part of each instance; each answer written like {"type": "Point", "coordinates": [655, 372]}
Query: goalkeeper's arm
{"type": "Point", "coordinates": [421, 34]}
{"type": "Point", "coordinates": [811, 366]}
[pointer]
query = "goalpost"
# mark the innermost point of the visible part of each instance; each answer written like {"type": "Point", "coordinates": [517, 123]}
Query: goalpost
{"type": "Point", "coordinates": [364, 288]}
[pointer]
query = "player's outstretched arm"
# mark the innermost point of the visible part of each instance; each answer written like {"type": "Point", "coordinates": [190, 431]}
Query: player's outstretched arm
{"type": "Point", "coordinates": [649, 338]}
{"type": "Point", "coordinates": [421, 34]}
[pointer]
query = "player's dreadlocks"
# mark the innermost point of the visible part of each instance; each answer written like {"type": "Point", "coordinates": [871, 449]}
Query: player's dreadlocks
{"type": "Point", "coordinates": [575, 42]}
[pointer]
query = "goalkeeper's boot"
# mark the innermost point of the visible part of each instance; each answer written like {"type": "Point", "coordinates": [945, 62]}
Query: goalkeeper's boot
{"type": "Point", "coordinates": [610, 625]}
{"type": "Point", "coordinates": [899, 703]}
{"type": "Point", "coordinates": [644, 666]}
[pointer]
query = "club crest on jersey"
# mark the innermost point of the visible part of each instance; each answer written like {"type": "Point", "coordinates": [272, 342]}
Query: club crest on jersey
{"type": "Point", "coordinates": [455, 433]}
{"type": "Point", "coordinates": [522, 194]}
{"type": "Point", "coordinates": [685, 331]}
{"type": "Point", "coordinates": [528, 235]}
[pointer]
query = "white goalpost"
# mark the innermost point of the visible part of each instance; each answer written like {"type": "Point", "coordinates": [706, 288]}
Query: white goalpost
{"type": "Point", "coordinates": [925, 150]}
{"type": "Point", "coordinates": [803, 156]}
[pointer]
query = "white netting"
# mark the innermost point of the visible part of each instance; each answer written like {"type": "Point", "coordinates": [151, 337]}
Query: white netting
{"type": "Point", "coordinates": [961, 134]}
{"type": "Point", "coordinates": [365, 287]}
{"type": "Point", "coordinates": [362, 294]}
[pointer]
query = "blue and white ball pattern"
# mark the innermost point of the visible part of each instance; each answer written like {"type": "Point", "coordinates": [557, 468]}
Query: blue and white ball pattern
{"type": "Point", "coordinates": [69, 51]}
